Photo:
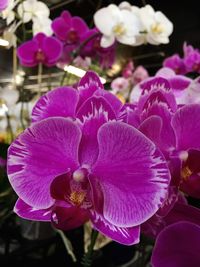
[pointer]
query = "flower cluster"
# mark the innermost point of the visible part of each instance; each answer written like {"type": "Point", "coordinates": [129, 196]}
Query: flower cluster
{"type": "Point", "coordinates": [29, 10]}
{"type": "Point", "coordinates": [79, 40]}
{"type": "Point", "coordinates": [189, 63]}
{"type": "Point", "coordinates": [126, 160]}
{"type": "Point", "coordinates": [84, 148]}
{"type": "Point", "coordinates": [17, 13]}
{"type": "Point", "coordinates": [131, 25]}
{"type": "Point", "coordinates": [78, 155]}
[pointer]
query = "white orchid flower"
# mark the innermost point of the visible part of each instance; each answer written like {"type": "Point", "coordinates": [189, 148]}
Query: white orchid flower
{"type": "Point", "coordinates": [42, 25]}
{"type": "Point", "coordinates": [9, 96]}
{"type": "Point", "coordinates": [32, 9]}
{"type": "Point", "coordinates": [157, 26]}
{"type": "Point", "coordinates": [115, 23]}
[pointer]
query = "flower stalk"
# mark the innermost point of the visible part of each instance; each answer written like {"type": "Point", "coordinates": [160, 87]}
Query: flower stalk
{"type": "Point", "coordinates": [87, 259]}
{"type": "Point", "coordinates": [40, 69]}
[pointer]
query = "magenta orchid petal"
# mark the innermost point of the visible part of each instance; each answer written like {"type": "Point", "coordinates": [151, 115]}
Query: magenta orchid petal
{"type": "Point", "coordinates": [43, 151]}
{"type": "Point", "coordinates": [66, 17]}
{"type": "Point", "coordinates": [52, 55]}
{"type": "Point", "coordinates": [69, 218]}
{"type": "Point", "coordinates": [79, 25]}
{"type": "Point", "coordinates": [25, 211]}
{"type": "Point", "coordinates": [167, 137]}
{"type": "Point", "coordinates": [90, 79]}
{"type": "Point", "coordinates": [94, 106]}
{"type": "Point", "coordinates": [130, 167]}
{"type": "Point", "coordinates": [175, 63]}
{"type": "Point", "coordinates": [187, 127]}
{"type": "Point", "coordinates": [26, 53]}
{"type": "Point", "coordinates": [129, 115]}
{"type": "Point", "coordinates": [180, 82]}
{"type": "Point", "coordinates": [156, 106]}
{"type": "Point", "coordinates": [88, 84]}
{"type": "Point", "coordinates": [192, 59]}
{"type": "Point", "coordinates": [126, 236]}
{"type": "Point", "coordinates": [112, 99]}
{"type": "Point", "coordinates": [94, 113]}
{"type": "Point", "coordinates": [155, 83]}
{"type": "Point", "coordinates": [151, 127]}
{"type": "Point", "coordinates": [183, 212]}
{"type": "Point", "coordinates": [60, 102]}
{"type": "Point", "coordinates": [177, 82]}
{"type": "Point", "coordinates": [169, 202]}
{"type": "Point", "coordinates": [175, 209]}
{"type": "Point", "coordinates": [88, 149]}
{"type": "Point", "coordinates": [177, 246]}
{"type": "Point", "coordinates": [157, 89]}
{"type": "Point", "coordinates": [60, 28]}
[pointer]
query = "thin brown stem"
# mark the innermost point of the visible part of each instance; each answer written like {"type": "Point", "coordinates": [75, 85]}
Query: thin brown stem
{"type": "Point", "coordinates": [40, 67]}
{"type": "Point", "coordinates": [61, 4]}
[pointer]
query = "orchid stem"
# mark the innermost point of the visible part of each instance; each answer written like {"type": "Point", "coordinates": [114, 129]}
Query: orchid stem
{"type": "Point", "coordinates": [14, 67]}
{"type": "Point", "coordinates": [61, 4]}
{"type": "Point", "coordinates": [9, 126]}
{"type": "Point", "coordinates": [161, 54]}
{"type": "Point", "coordinates": [63, 78]}
{"type": "Point", "coordinates": [40, 78]}
{"type": "Point", "coordinates": [87, 260]}
{"type": "Point", "coordinates": [22, 112]}
{"type": "Point", "coordinates": [96, 34]}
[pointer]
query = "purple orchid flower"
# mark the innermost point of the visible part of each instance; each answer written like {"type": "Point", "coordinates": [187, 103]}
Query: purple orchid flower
{"type": "Point", "coordinates": [3, 4]}
{"type": "Point", "coordinates": [191, 58]}
{"type": "Point", "coordinates": [74, 103]}
{"type": "Point", "coordinates": [179, 84]}
{"type": "Point", "coordinates": [185, 123]}
{"type": "Point", "coordinates": [85, 160]}
{"type": "Point", "coordinates": [93, 49]}
{"type": "Point", "coordinates": [175, 130]}
{"type": "Point", "coordinates": [177, 246]}
{"type": "Point", "coordinates": [176, 63]}
{"type": "Point", "coordinates": [174, 209]}
{"type": "Point", "coordinates": [190, 62]}
{"type": "Point", "coordinates": [41, 49]}
{"type": "Point", "coordinates": [155, 109]}
{"type": "Point", "coordinates": [69, 29]}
